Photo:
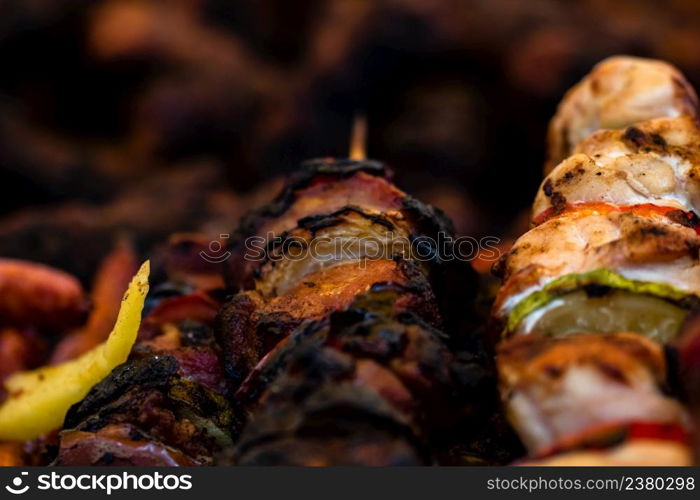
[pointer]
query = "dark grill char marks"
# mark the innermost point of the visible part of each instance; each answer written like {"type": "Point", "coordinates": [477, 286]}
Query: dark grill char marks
{"type": "Point", "coordinates": [322, 188]}
{"type": "Point", "coordinates": [340, 362]}
{"type": "Point", "coordinates": [654, 163]}
{"type": "Point", "coordinates": [379, 385]}
{"type": "Point", "coordinates": [343, 178]}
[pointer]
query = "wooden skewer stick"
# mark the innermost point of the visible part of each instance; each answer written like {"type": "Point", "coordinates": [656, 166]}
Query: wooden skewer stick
{"type": "Point", "coordinates": [358, 141]}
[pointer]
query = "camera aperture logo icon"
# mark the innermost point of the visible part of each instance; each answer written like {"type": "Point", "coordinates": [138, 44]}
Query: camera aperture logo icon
{"type": "Point", "coordinates": [216, 253]}
{"type": "Point", "coordinates": [16, 488]}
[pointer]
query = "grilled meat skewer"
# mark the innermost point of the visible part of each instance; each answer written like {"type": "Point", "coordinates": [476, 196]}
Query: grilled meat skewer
{"type": "Point", "coordinates": [337, 229]}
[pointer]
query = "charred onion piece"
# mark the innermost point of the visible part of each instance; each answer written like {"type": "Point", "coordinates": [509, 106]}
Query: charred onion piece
{"type": "Point", "coordinates": [147, 413]}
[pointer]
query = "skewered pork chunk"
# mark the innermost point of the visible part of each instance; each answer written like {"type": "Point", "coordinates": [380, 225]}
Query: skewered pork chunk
{"type": "Point", "coordinates": [252, 324]}
{"type": "Point", "coordinates": [338, 228]}
{"type": "Point", "coordinates": [322, 190]}
{"type": "Point", "coordinates": [371, 366]}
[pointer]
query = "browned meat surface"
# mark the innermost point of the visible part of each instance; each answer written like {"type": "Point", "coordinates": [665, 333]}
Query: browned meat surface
{"type": "Point", "coordinates": [252, 324]}
{"type": "Point", "coordinates": [367, 367]}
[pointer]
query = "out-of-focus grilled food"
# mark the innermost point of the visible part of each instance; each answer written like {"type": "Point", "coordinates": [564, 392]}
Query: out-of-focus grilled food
{"type": "Point", "coordinates": [553, 388]}
{"type": "Point", "coordinates": [631, 444]}
{"type": "Point", "coordinates": [687, 356]}
{"type": "Point", "coordinates": [36, 295]}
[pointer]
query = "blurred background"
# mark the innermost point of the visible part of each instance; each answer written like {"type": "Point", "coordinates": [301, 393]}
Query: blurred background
{"type": "Point", "coordinates": [144, 118]}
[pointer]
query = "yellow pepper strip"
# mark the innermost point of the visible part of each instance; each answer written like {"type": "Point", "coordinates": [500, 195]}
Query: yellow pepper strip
{"type": "Point", "coordinates": [39, 399]}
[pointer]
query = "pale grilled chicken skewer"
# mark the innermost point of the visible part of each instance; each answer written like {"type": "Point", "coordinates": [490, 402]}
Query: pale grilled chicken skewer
{"type": "Point", "coordinates": [615, 224]}
{"type": "Point", "coordinates": [613, 248]}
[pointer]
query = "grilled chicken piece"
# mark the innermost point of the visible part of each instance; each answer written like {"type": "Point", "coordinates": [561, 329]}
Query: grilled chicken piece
{"type": "Point", "coordinates": [655, 162]}
{"type": "Point", "coordinates": [371, 366]}
{"type": "Point", "coordinates": [634, 444]}
{"type": "Point", "coordinates": [617, 93]}
{"type": "Point", "coordinates": [645, 254]}
{"type": "Point", "coordinates": [553, 388]}
{"type": "Point", "coordinates": [588, 239]}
